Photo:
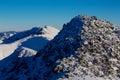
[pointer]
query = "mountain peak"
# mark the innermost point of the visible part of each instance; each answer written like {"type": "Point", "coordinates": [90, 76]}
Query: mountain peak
{"type": "Point", "coordinates": [86, 44]}
{"type": "Point", "coordinates": [47, 30]}
{"type": "Point", "coordinates": [89, 21]}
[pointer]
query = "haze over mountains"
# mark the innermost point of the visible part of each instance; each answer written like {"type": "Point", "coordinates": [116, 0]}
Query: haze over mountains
{"type": "Point", "coordinates": [87, 48]}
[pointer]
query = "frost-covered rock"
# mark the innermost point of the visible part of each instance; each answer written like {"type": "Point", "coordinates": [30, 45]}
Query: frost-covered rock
{"type": "Point", "coordinates": [85, 46]}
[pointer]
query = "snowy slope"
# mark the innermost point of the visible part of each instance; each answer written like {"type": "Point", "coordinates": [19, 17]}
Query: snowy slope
{"type": "Point", "coordinates": [50, 32]}
{"type": "Point", "coordinates": [33, 41]}
{"type": "Point", "coordinates": [47, 31]}
{"type": "Point", "coordinates": [7, 49]}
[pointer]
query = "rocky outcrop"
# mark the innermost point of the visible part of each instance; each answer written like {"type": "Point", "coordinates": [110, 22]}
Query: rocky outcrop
{"type": "Point", "coordinates": [85, 46]}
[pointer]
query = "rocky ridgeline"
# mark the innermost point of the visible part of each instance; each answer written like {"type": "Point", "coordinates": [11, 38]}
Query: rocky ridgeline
{"type": "Point", "coordinates": [85, 46]}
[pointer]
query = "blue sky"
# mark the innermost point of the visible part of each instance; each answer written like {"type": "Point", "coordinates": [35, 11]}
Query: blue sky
{"type": "Point", "coordinates": [25, 14]}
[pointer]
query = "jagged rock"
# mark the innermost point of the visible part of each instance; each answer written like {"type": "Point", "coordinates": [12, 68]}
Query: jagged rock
{"type": "Point", "coordinates": [86, 44]}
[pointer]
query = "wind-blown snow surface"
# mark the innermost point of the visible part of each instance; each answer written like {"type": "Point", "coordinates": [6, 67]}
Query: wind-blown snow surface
{"type": "Point", "coordinates": [7, 49]}
{"type": "Point", "coordinates": [33, 39]}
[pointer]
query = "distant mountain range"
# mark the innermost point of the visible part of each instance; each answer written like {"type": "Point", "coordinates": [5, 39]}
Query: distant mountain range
{"type": "Point", "coordinates": [87, 48]}
{"type": "Point", "coordinates": [34, 39]}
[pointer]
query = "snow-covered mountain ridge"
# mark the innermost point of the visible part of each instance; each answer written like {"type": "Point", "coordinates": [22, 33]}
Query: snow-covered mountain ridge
{"type": "Point", "coordinates": [34, 39]}
{"type": "Point", "coordinates": [6, 35]}
{"type": "Point", "coordinates": [86, 48]}
{"type": "Point", "coordinates": [47, 30]}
